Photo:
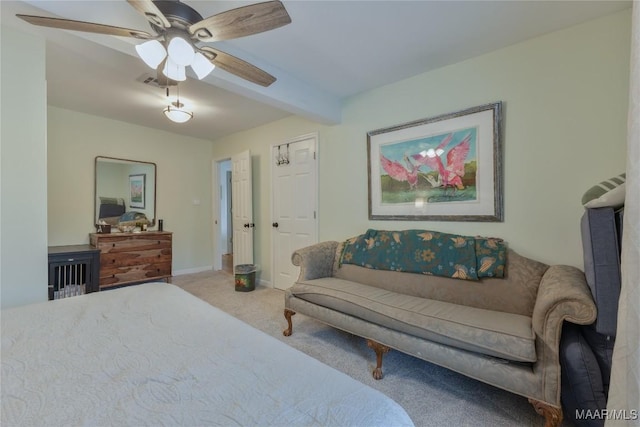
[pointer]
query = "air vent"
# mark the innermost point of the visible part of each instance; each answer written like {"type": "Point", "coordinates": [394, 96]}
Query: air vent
{"type": "Point", "coordinates": [150, 80]}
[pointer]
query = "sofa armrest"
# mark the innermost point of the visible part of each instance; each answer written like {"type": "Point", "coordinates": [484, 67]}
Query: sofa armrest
{"type": "Point", "coordinates": [563, 294]}
{"type": "Point", "coordinates": [315, 261]}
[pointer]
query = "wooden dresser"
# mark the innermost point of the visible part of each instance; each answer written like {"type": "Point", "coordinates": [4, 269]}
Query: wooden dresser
{"type": "Point", "coordinates": [133, 257]}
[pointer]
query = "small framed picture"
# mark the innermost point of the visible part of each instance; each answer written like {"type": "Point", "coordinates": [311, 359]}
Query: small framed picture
{"type": "Point", "coordinates": [137, 190]}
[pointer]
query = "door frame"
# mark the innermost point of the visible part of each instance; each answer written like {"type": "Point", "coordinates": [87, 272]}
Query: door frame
{"type": "Point", "coordinates": [229, 202]}
{"type": "Point", "coordinates": [315, 136]}
{"type": "Point", "coordinates": [215, 208]}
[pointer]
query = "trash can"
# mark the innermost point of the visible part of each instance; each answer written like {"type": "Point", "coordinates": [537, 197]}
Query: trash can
{"type": "Point", "coordinates": [245, 277]}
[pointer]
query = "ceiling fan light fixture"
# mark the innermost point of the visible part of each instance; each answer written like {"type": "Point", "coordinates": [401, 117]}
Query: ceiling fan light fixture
{"type": "Point", "coordinates": [176, 27]}
{"type": "Point", "coordinates": [180, 51]}
{"type": "Point", "coordinates": [174, 71]}
{"type": "Point", "coordinates": [202, 66]}
{"type": "Point", "coordinates": [175, 113]}
{"type": "Point", "coordinates": [152, 53]}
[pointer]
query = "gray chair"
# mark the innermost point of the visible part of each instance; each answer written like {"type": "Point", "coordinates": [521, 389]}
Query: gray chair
{"type": "Point", "coordinates": [586, 351]}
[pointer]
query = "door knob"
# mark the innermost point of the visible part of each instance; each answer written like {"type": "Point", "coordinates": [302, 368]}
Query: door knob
{"type": "Point", "coordinates": [246, 225]}
{"type": "Point", "coordinates": [275, 225]}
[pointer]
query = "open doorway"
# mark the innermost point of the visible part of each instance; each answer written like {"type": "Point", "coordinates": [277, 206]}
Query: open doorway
{"type": "Point", "coordinates": [225, 242]}
{"type": "Point", "coordinates": [233, 225]}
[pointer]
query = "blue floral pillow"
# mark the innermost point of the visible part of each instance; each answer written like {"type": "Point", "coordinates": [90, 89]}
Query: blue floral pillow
{"type": "Point", "coordinates": [414, 251]}
{"type": "Point", "coordinates": [132, 216]}
{"type": "Point", "coordinates": [491, 255]}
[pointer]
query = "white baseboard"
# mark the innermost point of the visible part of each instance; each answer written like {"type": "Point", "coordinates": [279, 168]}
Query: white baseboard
{"type": "Point", "coordinates": [192, 270]}
{"type": "Point", "coordinates": [261, 282]}
{"type": "Point", "coordinates": [265, 283]}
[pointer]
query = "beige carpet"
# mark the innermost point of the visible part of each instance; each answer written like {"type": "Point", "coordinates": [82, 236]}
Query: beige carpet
{"type": "Point", "coordinates": [432, 396]}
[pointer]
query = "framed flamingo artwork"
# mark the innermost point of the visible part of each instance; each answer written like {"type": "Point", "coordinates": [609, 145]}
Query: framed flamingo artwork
{"type": "Point", "coordinates": [444, 168]}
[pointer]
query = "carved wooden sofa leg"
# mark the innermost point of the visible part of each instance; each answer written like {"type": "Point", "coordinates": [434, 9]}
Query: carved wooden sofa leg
{"type": "Point", "coordinates": [380, 350]}
{"type": "Point", "coordinates": [551, 414]}
{"type": "Point", "coordinates": [287, 315]}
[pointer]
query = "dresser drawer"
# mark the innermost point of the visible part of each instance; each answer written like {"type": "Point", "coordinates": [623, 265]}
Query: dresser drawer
{"type": "Point", "coordinates": [126, 259]}
{"type": "Point", "coordinates": [132, 258]}
{"type": "Point", "coordinates": [134, 243]}
{"type": "Point", "coordinates": [115, 276]}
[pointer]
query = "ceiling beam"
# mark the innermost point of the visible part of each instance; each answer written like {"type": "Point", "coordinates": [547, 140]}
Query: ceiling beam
{"type": "Point", "coordinates": [287, 92]}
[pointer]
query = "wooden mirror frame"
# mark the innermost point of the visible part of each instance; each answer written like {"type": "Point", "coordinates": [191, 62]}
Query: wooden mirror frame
{"type": "Point", "coordinates": [149, 190]}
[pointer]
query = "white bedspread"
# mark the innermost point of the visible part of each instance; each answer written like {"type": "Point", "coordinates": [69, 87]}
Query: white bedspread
{"type": "Point", "coordinates": [156, 355]}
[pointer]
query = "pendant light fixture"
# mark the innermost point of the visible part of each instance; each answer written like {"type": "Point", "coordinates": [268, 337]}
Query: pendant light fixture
{"type": "Point", "coordinates": [176, 112]}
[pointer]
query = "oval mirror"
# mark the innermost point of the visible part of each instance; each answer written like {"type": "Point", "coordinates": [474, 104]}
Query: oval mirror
{"type": "Point", "coordinates": [125, 192]}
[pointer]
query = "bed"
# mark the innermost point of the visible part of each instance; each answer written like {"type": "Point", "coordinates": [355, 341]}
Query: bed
{"type": "Point", "coordinates": [112, 211]}
{"type": "Point", "coordinates": [153, 354]}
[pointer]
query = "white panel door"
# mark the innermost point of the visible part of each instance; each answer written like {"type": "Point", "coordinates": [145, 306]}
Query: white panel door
{"type": "Point", "coordinates": [242, 208]}
{"type": "Point", "coordinates": [295, 198]}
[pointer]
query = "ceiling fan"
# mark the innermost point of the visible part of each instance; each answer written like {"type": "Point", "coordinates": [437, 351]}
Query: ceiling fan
{"type": "Point", "coordinates": [180, 32]}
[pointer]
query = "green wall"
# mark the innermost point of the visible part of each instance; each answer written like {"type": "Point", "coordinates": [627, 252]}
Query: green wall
{"type": "Point", "coordinates": [183, 175]}
{"type": "Point", "coordinates": [565, 107]}
{"type": "Point", "coordinates": [565, 98]}
{"type": "Point", "coordinates": [23, 178]}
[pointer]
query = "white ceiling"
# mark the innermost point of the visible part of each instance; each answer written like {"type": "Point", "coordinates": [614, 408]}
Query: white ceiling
{"type": "Point", "coordinates": [330, 51]}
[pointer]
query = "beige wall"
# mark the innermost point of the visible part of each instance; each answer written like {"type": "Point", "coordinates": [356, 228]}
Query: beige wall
{"type": "Point", "coordinates": [23, 170]}
{"type": "Point", "coordinates": [259, 141]}
{"type": "Point", "coordinates": [565, 107]}
{"type": "Point", "coordinates": [183, 175]}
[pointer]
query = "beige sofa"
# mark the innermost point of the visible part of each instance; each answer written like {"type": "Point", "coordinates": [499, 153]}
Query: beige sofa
{"type": "Point", "coordinates": [504, 332]}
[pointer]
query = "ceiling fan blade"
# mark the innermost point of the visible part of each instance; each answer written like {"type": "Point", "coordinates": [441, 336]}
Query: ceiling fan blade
{"type": "Point", "coordinates": [150, 11]}
{"type": "Point", "coordinates": [238, 67]}
{"type": "Point", "coordinates": [241, 22]}
{"type": "Point", "coordinates": [88, 27]}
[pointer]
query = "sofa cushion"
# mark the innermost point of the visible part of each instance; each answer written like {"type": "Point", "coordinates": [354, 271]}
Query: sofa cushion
{"type": "Point", "coordinates": [516, 293]}
{"type": "Point", "coordinates": [494, 333]}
